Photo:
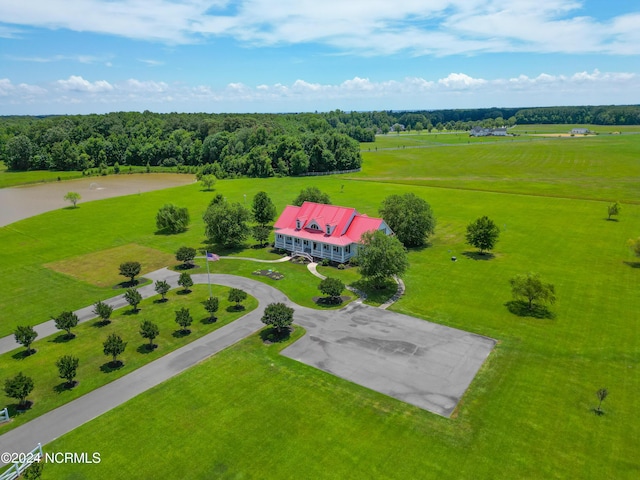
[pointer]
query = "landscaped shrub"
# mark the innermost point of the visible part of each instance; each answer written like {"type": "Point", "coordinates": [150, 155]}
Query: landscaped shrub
{"type": "Point", "coordinates": [325, 262]}
{"type": "Point", "coordinates": [341, 266]}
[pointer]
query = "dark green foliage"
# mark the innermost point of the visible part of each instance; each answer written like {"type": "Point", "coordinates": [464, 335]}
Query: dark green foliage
{"type": "Point", "coordinates": [186, 255]}
{"type": "Point", "coordinates": [226, 223]}
{"type": "Point", "coordinates": [150, 331]}
{"type": "Point", "coordinates": [130, 270]}
{"type": "Point", "coordinates": [614, 210]}
{"type": "Point", "coordinates": [238, 296]}
{"type": "Point", "coordinates": [530, 288]}
{"type": "Point", "coordinates": [114, 346]}
{"type": "Point", "coordinates": [185, 281]}
{"type": "Point", "coordinates": [184, 319]}
{"type": "Point", "coordinates": [381, 257]}
{"type": "Point", "coordinates": [34, 471]}
{"type": "Point", "coordinates": [482, 233]}
{"type": "Point", "coordinates": [208, 181]}
{"type": "Point", "coordinates": [263, 209]}
{"type": "Point", "coordinates": [332, 287]}
{"type": "Point", "coordinates": [311, 194]}
{"type": "Point", "coordinates": [67, 367]}
{"type": "Point", "coordinates": [211, 305]}
{"type": "Point", "coordinates": [162, 287]}
{"type": "Point", "coordinates": [133, 298]}
{"type": "Point", "coordinates": [18, 387]}
{"type": "Point", "coordinates": [410, 217]}
{"type": "Point", "coordinates": [25, 335]}
{"type": "Point", "coordinates": [261, 234]}
{"type": "Point", "coordinates": [104, 311]}
{"type": "Point", "coordinates": [219, 198]}
{"type": "Point", "coordinates": [278, 315]}
{"type": "Point", "coordinates": [66, 321]}
{"type": "Point", "coordinates": [172, 219]}
{"type": "Point", "coordinates": [602, 393]}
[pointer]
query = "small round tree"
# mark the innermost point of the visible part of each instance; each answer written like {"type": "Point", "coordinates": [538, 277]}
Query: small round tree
{"type": "Point", "coordinates": [483, 234]}
{"type": "Point", "coordinates": [130, 270]}
{"type": "Point", "coordinates": [133, 298]}
{"type": "Point", "coordinates": [185, 281]}
{"type": "Point", "coordinates": [19, 387]}
{"type": "Point", "coordinates": [208, 181]}
{"type": "Point", "coordinates": [184, 319]}
{"type": "Point", "coordinates": [66, 321]}
{"type": "Point", "coordinates": [162, 287]}
{"type": "Point", "coordinates": [25, 335]}
{"type": "Point", "coordinates": [67, 368]}
{"type": "Point", "coordinates": [104, 311]}
{"type": "Point", "coordinates": [211, 305]}
{"type": "Point", "coordinates": [150, 331]}
{"type": "Point", "coordinates": [614, 210]}
{"type": "Point", "coordinates": [532, 289]}
{"type": "Point", "coordinates": [114, 346]}
{"type": "Point", "coordinates": [172, 219]}
{"type": "Point", "coordinates": [238, 296]}
{"type": "Point", "coordinates": [186, 256]}
{"type": "Point", "coordinates": [332, 288]}
{"type": "Point", "coordinates": [278, 315]}
{"type": "Point", "coordinates": [73, 197]}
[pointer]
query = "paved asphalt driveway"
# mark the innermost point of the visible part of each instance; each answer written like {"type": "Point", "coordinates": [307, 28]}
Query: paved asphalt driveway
{"type": "Point", "coordinates": [418, 362]}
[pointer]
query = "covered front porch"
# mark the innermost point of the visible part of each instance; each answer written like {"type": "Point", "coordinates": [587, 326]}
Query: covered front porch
{"type": "Point", "coordinates": [316, 249]}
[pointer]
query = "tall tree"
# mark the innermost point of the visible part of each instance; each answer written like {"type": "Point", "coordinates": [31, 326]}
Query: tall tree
{"type": "Point", "coordinates": [226, 223]}
{"type": "Point", "coordinates": [19, 387]}
{"type": "Point", "coordinates": [66, 321]}
{"type": "Point", "coordinates": [150, 331]}
{"type": "Point", "coordinates": [113, 347]}
{"type": "Point", "coordinates": [185, 281]}
{"type": "Point", "coordinates": [130, 270]}
{"type": "Point", "coordinates": [104, 311]}
{"type": "Point", "coordinates": [162, 287]}
{"type": "Point", "coordinates": [410, 217]}
{"type": "Point", "coordinates": [238, 296]}
{"type": "Point", "coordinates": [380, 257]}
{"type": "Point", "coordinates": [614, 210]}
{"type": "Point", "coordinates": [311, 194]}
{"type": "Point", "coordinates": [483, 234]}
{"type": "Point", "coordinates": [133, 298]}
{"type": "Point", "coordinates": [261, 234]}
{"type": "Point", "coordinates": [73, 198]}
{"type": "Point", "coordinates": [278, 315]}
{"type": "Point", "coordinates": [67, 368]}
{"type": "Point", "coordinates": [25, 335]}
{"type": "Point", "coordinates": [530, 288]}
{"type": "Point", "coordinates": [263, 209]}
{"type": "Point", "coordinates": [186, 255]}
{"type": "Point", "coordinates": [184, 319]}
{"type": "Point", "coordinates": [172, 219]}
{"type": "Point", "coordinates": [211, 305]}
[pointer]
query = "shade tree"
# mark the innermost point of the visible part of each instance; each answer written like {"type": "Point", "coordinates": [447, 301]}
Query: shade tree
{"type": "Point", "coordinates": [238, 296]}
{"type": "Point", "coordinates": [113, 347]}
{"type": "Point", "coordinates": [103, 311]}
{"type": "Point", "coordinates": [185, 281]}
{"type": "Point", "coordinates": [278, 316]}
{"type": "Point", "coordinates": [73, 198]}
{"type": "Point", "coordinates": [483, 234]}
{"type": "Point", "coordinates": [19, 387]}
{"type": "Point", "coordinates": [162, 287]}
{"type": "Point", "coordinates": [184, 319]}
{"type": "Point", "coordinates": [332, 288]}
{"type": "Point", "coordinates": [25, 336]}
{"type": "Point", "coordinates": [410, 217]}
{"type": "Point", "coordinates": [530, 288]}
{"type": "Point", "coordinates": [133, 298]}
{"type": "Point", "coordinates": [130, 270]}
{"type": "Point", "coordinates": [311, 194]}
{"type": "Point", "coordinates": [380, 257]}
{"type": "Point", "coordinates": [211, 305]}
{"type": "Point", "coordinates": [186, 256]}
{"type": "Point", "coordinates": [226, 223]}
{"type": "Point", "coordinates": [67, 368]}
{"type": "Point", "coordinates": [172, 219]}
{"type": "Point", "coordinates": [263, 209]}
{"type": "Point", "coordinates": [66, 321]}
{"type": "Point", "coordinates": [150, 331]}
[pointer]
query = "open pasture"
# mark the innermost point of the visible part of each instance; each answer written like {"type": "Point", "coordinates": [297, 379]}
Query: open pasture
{"type": "Point", "coordinates": [528, 413]}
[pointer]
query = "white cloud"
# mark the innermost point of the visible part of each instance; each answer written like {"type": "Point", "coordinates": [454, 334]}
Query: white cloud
{"type": "Point", "coordinates": [435, 27]}
{"type": "Point", "coordinates": [151, 63]}
{"type": "Point", "coordinates": [456, 90]}
{"type": "Point", "coordinates": [87, 59]}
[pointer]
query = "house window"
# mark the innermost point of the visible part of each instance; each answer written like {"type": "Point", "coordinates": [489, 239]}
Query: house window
{"type": "Point", "coordinates": [305, 242]}
{"type": "Point", "coordinates": [328, 229]}
{"type": "Point", "coordinates": [315, 246]}
{"type": "Point", "coordinates": [326, 247]}
{"type": "Point", "coordinates": [348, 249]}
{"type": "Point", "coordinates": [297, 240]}
{"type": "Point", "coordinates": [298, 225]}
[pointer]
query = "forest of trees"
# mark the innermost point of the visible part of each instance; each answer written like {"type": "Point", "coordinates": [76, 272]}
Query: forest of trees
{"type": "Point", "coordinates": [255, 145]}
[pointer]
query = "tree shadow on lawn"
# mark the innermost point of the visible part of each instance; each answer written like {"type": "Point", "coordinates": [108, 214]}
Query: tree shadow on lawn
{"type": "Point", "coordinates": [376, 295]}
{"type": "Point", "coordinates": [209, 320]}
{"type": "Point", "coordinates": [475, 255]}
{"type": "Point", "coordinates": [185, 266]}
{"type": "Point", "coordinates": [65, 386]}
{"type": "Point", "coordinates": [161, 300]}
{"type": "Point", "coordinates": [329, 302]}
{"type": "Point", "coordinates": [183, 292]}
{"type": "Point", "coordinates": [272, 335]}
{"type": "Point", "coordinates": [129, 284]}
{"type": "Point", "coordinates": [235, 308]}
{"type": "Point", "coordinates": [220, 249]}
{"type": "Point", "coordinates": [111, 366]}
{"type": "Point", "coordinates": [64, 338]}
{"type": "Point", "coordinates": [611, 219]}
{"type": "Point", "coordinates": [16, 409]}
{"type": "Point", "coordinates": [101, 323]}
{"type": "Point", "coordinates": [146, 348]}
{"type": "Point", "coordinates": [181, 333]}
{"type": "Point", "coordinates": [22, 354]}
{"type": "Point", "coordinates": [632, 264]}
{"type": "Point", "coordinates": [132, 311]}
{"type": "Point", "coordinates": [521, 309]}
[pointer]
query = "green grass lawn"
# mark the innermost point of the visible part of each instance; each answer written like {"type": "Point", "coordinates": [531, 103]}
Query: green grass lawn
{"type": "Point", "coordinates": [250, 413]}
{"type": "Point", "coordinates": [93, 370]}
{"type": "Point", "coordinates": [12, 179]}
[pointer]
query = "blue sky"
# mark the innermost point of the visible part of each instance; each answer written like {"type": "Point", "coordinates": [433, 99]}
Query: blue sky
{"type": "Point", "coordinates": [96, 56]}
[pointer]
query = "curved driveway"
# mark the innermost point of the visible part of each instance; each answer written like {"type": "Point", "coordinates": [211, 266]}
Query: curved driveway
{"type": "Point", "coordinates": [415, 361]}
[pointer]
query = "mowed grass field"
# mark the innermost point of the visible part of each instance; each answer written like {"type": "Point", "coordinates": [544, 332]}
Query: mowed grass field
{"type": "Point", "coordinates": [251, 413]}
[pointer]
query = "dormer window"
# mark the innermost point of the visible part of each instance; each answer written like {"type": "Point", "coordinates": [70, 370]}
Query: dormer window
{"type": "Point", "coordinates": [328, 229]}
{"type": "Point", "coordinates": [298, 224]}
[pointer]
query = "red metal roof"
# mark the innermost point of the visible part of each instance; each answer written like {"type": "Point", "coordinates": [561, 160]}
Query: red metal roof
{"type": "Point", "coordinates": [347, 225]}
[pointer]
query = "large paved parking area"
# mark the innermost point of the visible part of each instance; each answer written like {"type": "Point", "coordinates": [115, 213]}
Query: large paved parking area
{"type": "Point", "coordinates": [418, 362]}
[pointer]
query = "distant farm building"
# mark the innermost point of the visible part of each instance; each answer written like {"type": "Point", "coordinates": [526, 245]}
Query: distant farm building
{"type": "Point", "coordinates": [488, 132]}
{"type": "Point", "coordinates": [580, 131]}
{"type": "Point", "coordinates": [324, 231]}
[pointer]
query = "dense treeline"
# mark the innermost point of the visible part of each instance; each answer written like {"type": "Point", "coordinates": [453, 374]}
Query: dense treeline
{"type": "Point", "coordinates": [233, 145]}
{"type": "Point", "coordinates": [258, 145]}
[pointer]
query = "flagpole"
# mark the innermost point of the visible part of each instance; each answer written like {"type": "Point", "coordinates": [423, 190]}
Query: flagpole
{"type": "Point", "coordinates": [206, 259]}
